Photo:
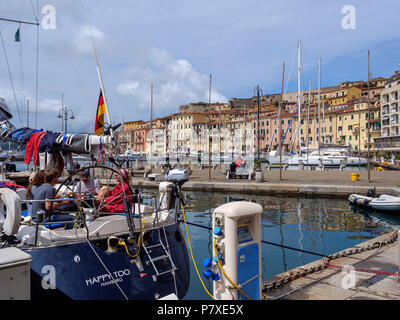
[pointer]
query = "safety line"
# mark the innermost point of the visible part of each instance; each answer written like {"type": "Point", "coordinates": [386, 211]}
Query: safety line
{"type": "Point", "coordinates": [267, 242]}
{"type": "Point", "coordinates": [366, 271]}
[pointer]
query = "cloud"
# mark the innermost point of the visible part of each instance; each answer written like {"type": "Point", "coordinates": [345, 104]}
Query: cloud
{"type": "Point", "coordinates": [175, 81]}
{"type": "Point", "coordinates": [82, 41]}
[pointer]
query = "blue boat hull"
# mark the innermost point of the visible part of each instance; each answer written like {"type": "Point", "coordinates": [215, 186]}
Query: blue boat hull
{"type": "Point", "coordinates": [74, 271]}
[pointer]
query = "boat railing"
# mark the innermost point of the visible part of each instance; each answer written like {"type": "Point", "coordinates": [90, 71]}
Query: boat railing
{"type": "Point", "coordinates": [138, 221]}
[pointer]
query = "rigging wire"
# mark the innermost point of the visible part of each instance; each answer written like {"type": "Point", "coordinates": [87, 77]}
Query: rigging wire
{"type": "Point", "coordinates": [21, 67]}
{"type": "Point", "coordinates": [11, 79]}
{"type": "Point", "coordinates": [37, 65]}
{"type": "Point", "coordinates": [34, 12]}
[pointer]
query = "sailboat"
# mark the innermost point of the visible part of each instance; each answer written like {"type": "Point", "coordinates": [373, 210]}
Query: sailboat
{"type": "Point", "coordinates": [329, 156]}
{"type": "Point", "coordinates": [105, 253]}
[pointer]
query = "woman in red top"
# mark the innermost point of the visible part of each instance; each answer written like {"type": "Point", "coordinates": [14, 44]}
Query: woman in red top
{"type": "Point", "coordinates": [112, 200]}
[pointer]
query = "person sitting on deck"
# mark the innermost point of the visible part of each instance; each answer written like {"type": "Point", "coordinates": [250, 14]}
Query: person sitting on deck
{"type": "Point", "coordinates": [87, 184]}
{"type": "Point", "coordinates": [113, 200]}
{"type": "Point", "coordinates": [36, 182]}
{"type": "Point", "coordinates": [46, 191]}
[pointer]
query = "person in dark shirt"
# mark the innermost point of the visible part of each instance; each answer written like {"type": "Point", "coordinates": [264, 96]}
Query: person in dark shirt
{"type": "Point", "coordinates": [46, 191]}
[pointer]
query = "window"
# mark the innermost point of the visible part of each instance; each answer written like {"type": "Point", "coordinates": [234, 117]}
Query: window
{"type": "Point", "coordinates": [340, 128]}
{"type": "Point", "coordinates": [350, 127]}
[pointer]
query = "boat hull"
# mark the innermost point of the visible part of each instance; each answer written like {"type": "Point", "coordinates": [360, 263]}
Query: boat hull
{"type": "Point", "coordinates": [383, 203]}
{"type": "Point", "coordinates": [77, 272]}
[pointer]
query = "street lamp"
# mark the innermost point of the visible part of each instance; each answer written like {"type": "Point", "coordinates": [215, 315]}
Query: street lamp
{"type": "Point", "coordinates": [258, 92]}
{"type": "Point", "coordinates": [64, 112]}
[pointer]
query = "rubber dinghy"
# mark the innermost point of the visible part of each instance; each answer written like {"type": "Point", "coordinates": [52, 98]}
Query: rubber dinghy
{"type": "Point", "coordinates": [385, 202]}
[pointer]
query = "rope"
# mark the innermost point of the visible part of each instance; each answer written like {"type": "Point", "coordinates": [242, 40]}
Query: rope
{"type": "Point", "coordinates": [139, 244]}
{"type": "Point", "coordinates": [109, 273]}
{"type": "Point", "coordinates": [229, 279]}
{"type": "Point", "coordinates": [191, 253]}
{"type": "Point", "coordinates": [267, 242]}
{"type": "Point", "coordinates": [366, 271]}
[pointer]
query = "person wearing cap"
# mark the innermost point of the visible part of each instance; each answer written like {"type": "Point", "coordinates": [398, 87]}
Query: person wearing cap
{"type": "Point", "coordinates": [111, 200]}
{"type": "Point", "coordinates": [87, 184]}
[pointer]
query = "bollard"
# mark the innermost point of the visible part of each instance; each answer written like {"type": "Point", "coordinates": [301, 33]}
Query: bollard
{"type": "Point", "coordinates": [301, 165]}
{"type": "Point", "coordinates": [259, 176]}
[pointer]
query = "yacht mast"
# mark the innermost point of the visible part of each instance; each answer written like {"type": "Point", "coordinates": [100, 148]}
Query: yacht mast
{"type": "Point", "coordinates": [308, 117]}
{"type": "Point", "coordinates": [298, 95]}
{"type": "Point", "coordinates": [319, 103]}
{"type": "Point", "coordinates": [280, 125]}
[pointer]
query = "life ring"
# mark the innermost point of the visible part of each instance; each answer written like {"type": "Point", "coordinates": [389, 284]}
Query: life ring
{"type": "Point", "coordinates": [10, 211]}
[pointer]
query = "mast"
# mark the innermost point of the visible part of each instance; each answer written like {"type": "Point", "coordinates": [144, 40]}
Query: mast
{"type": "Point", "coordinates": [319, 103]}
{"type": "Point", "coordinates": [280, 125]}
{"type": "Point", "coordinates": [62, 113]}
{"type": "Point", "coordinates": [151, 126]}
{"type": "Point", "coordinates": [209, 129]}
{"type": "Point", "coordinates": [27, 113]}
{"type": "Point", "coordinates": [298, 94]}
{"type": "Point", "coordinates": [368, 130]}
{"type": "Point", "coordinates": [308, 117]}
{"type": "Point", "coordinates": [102, 90]}
{"type": "Point", "coordinates": [323, 121]}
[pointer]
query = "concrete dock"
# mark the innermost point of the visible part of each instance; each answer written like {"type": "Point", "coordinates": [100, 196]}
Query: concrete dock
{"type": "Point", "coordinates": [326, 184]}
{"type": "Point", "coordinates": [368, 275]}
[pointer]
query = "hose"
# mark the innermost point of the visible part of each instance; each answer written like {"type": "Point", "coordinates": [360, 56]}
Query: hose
{"type": "Point", "coordinates": [191, 253]}
{"type": "Point", "coordinates": [139, 244]}
{"type": "Point", "coordinates": [229, 279]}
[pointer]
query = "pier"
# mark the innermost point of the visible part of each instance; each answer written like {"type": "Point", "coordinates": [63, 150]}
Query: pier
{"type": "Point", "coordinates": [325, 184]}
{"type": "Point", "coordinates": [368, 271]}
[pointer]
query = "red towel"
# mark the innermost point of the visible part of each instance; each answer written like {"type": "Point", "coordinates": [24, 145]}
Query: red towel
{"type": "Point", "coordinates": [32, 147]}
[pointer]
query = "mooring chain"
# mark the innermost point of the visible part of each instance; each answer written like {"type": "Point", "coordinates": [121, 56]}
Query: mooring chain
{"type": "Point", "coordinates": [293, 275]}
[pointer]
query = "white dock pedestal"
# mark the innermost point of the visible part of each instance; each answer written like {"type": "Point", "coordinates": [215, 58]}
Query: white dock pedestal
{"type": "Point", "coordinates": [14, 274]}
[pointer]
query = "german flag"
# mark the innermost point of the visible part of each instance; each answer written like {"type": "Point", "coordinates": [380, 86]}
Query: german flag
{"type": "Point", "coordinates": [101, 110]}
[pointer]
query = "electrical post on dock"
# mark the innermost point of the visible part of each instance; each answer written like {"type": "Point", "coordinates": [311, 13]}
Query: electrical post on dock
{"type": "Point", "coordinates": [236, 263]}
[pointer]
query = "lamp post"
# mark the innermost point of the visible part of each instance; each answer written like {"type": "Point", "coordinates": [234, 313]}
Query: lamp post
{"type": "Point", "coordinates": [258, 92]}
{"type": "Point", "coordinates": [198, 130]}
{"type": "Point", "coordinates": [63, 114]}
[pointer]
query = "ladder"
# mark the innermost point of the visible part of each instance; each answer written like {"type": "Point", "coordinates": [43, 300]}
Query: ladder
{"type": "Point", "coordinates": [164, 256]}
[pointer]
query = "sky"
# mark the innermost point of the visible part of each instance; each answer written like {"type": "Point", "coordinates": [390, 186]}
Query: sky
{"type": "Point", "coordinates": [179, 46]}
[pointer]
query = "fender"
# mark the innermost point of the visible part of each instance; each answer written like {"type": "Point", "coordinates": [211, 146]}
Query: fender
{"type": "Point", "coordinates": [10, 218]}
